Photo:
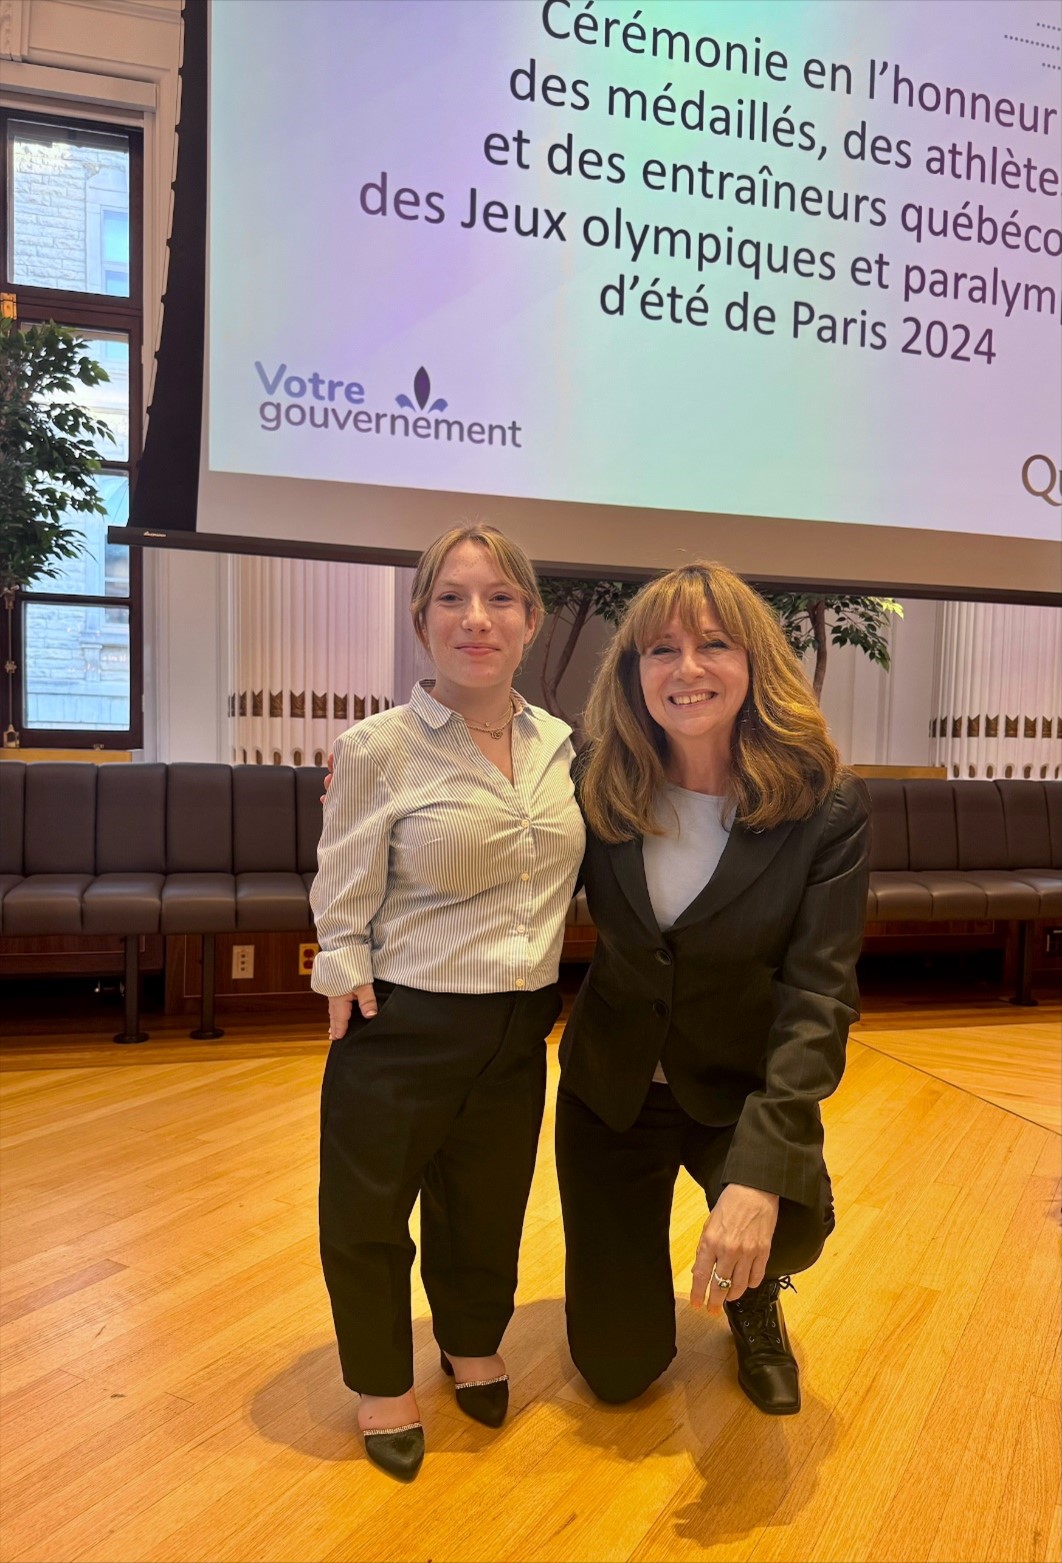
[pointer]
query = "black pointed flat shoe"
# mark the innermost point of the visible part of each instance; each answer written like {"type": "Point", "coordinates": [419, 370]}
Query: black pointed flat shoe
{"type": "Point", "coordinates": [484, 1400]}
{"type": "Point", "coordinates": [397, 1450]}
{"type": "Point", "coordinates": [767, 1369]}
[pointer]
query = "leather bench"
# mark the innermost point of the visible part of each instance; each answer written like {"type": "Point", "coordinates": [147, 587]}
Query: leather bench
{"type": "Point", "coordinates": [185, 848]}
{"type": "Point", "coordinates": [143, 849]}
{"type": "Point", "coordinates": [945, 851]}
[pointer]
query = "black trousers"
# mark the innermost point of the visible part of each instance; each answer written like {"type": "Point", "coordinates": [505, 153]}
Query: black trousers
{"type": "Point", "coordinates": [616, 1195]}
{"type": "Point", "coordinates": [439, 1095]}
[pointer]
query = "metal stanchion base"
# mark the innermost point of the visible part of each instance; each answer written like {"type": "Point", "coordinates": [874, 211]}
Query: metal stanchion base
{"type": "Point", "coordinates": [1023, 994]}
{"type": "Point", "coordinates": [207, 1031]}
{"type": "Point", "coordinates": [132, 1032]}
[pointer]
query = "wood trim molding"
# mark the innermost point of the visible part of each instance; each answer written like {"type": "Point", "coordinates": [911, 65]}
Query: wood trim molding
{"type": "Point", "coordinates": [128, 94]}
{"type": "Point", "coordinates": [146, 10]}
{"type": "Point", "coordinates": [14, 29]}
{"type": "Point", "coordinates": [93, 756]}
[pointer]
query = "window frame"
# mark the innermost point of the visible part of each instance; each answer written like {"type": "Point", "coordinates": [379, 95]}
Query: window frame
{"type": "Point", "coordinates": [84, 313]}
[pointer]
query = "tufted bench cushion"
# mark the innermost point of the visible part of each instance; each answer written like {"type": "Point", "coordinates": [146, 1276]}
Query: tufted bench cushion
{"type": "Point", "coordinates": [942, 851]}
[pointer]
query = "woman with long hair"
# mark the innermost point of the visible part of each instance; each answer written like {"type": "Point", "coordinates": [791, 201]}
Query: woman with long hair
{"type": "Point", "coordinates": [726, 872]}
{"type": "Point", "coordinates": [449, 852]}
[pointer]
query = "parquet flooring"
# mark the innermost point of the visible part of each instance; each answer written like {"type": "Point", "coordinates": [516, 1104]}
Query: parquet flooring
{"type": "Point", "coordinates": [171, 1392]}
{"type": "Point", "coordinates": [1006, 1055]}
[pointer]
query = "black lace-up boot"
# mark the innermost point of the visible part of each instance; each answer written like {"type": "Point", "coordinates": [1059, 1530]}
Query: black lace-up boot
{"type": "Point", "coordinates": [767, 1369]}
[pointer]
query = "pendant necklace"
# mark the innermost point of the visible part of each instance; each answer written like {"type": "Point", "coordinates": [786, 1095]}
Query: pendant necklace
{"type": "Point", "coordinates": [493, 730]}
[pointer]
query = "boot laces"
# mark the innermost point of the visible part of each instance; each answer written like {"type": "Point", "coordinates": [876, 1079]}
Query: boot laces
{"type": "Point", "coordinates": [758, 1315]}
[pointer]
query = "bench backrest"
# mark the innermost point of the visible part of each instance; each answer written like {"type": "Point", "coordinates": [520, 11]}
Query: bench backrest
{"type": "Point", "coordinates": [925, 825]}
{"type": "Point", "coordinates": [65, 817]}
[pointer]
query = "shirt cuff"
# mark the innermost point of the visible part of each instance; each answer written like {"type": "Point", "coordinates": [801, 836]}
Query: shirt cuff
{"type": "Point", "coordinates": [338, 972]}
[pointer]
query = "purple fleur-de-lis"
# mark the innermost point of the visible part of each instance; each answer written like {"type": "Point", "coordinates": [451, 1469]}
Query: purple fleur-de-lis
{"type": "Point", "coordinates": [422, 391]}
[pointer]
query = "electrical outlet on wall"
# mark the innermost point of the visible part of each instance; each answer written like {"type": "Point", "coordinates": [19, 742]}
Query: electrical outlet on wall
{"type": "Point", "coordinates": [242, 961]}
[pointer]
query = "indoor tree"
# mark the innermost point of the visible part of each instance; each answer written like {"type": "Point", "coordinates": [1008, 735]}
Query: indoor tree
{"type": "Point", "coordinates": [571, 604]}
{"type": "Point", "coordinates": [47, 449]}
{"type": "Point", "coordinates": [47, 458]}
{"type": "Point", "coordinates": [814, 623]}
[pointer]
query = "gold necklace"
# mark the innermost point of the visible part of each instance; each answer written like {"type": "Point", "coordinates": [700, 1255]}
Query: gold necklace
{"type": "Point", "coordinates": [493, 729]}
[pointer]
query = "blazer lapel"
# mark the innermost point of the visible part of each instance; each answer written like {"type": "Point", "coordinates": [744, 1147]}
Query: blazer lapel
{"type": "Point", "coordinates": [745, 856]}
{"type": "Point", "coordinates": [627, 865]}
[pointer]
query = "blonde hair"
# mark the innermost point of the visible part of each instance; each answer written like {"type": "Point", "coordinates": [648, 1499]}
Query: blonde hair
{"type": "Point", "coordinates": [783, 761]}
{"type": "Point", "coordinates": [509, 557]}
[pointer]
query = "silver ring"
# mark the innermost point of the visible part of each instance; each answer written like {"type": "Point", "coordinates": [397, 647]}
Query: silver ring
{"type": "Point", "coordinates": [722, 1284]}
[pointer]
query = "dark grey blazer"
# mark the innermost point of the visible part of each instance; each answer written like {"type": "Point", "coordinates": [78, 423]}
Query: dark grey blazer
{"type": "Point", "coordinates": [746, 1000]}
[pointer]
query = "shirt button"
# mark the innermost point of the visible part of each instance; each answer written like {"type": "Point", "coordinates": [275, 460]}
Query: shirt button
{"type": "Point", "coordinates": [660, 1008]}
{"type": "Point", "coordinates": [525, 877]}
{"type": "Point", "coordinates": [521, 927]}
{"type": "Point", "coordinates": [520, 983]}
{"type": "Point", "coordinates": [664, 957]}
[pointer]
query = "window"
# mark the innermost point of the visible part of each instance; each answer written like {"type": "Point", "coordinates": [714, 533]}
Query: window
{"type": "Point", "coordinates": [69, 209]}
{"type": "Point", "coordinates": [71, 196]}
{"type": "Point", "coordinates": [114, 251]}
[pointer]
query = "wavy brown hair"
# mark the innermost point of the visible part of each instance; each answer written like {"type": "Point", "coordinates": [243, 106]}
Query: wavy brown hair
{"type": "Point", "coordinates": [512, 563]}
{"type": "Point", "coordinates": [783, 762]}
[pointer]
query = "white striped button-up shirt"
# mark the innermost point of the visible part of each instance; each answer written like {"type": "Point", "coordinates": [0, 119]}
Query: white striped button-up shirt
{"type": "Point", "coordinates": [435, 871]}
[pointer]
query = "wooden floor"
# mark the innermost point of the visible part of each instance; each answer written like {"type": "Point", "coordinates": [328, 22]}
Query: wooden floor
{"type": "Point", "coordinates": [171, 1392]}
{"type": "Point", "coordinates": [1005, 1055]}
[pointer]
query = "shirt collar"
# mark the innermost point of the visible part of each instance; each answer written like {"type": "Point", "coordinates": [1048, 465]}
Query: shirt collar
{"type": "Point", "coordinates": [434, 714]}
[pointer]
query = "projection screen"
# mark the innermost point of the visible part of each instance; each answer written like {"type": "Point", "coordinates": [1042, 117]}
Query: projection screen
{"type": "Point", "coordinates": [778, 283]}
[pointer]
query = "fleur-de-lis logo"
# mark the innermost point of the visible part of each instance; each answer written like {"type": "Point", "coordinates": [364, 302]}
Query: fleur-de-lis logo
{"type": "Point", "coordinates": [422, 392]}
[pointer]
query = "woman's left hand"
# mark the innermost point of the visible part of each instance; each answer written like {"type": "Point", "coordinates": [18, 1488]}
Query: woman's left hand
{"type": "Point", "coordinates": [735, 1243]}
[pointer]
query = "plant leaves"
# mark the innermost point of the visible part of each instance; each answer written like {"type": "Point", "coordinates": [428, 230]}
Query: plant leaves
{"type": "Point", "coordinates": [47, 454]}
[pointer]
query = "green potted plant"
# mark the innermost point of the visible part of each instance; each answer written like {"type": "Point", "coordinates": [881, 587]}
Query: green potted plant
{"type": "Point", "coordinates": [815, 623]}
{"type": "Point", "coordinates": [47, 460]}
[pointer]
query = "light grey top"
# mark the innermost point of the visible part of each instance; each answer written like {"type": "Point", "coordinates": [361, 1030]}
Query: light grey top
{"type": "Point", "coordinates": [436, 872]}
{"type": "Point", "coordinates": [680, 864]}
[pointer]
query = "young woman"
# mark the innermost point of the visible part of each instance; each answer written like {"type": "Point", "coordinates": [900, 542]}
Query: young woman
{"type": "Point", "coordinates": [726, 872]}
{"type": "Point", "coordinates": [449, 852]}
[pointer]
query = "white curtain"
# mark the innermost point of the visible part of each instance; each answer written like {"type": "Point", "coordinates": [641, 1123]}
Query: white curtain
{"type": "Point", "coordinates": [312, 650]}
{"type": "Point", "coordinates": [997, 710]}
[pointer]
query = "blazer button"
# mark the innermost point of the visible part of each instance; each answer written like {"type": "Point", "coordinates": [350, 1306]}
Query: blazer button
{"type": "Point", "coordinates": [664, 957]}
{"type": "Point", "coordinates": [660, 1008]}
